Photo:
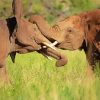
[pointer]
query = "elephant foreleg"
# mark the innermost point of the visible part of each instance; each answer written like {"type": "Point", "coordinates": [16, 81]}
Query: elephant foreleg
{"type": "Point", "coordinates": [91, 61]}
{"type": "Point", "coordinates": [90, 56]}
{"type": "Point", "coordinates": [3, 74]}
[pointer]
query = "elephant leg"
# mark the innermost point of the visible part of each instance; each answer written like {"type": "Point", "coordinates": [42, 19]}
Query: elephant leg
{"type": "Point", "coordinates": [3, 74]}
{"type": "Point", "coordinates": [90, 57]}
{"type": "Point", "coordinates": [61, 59]}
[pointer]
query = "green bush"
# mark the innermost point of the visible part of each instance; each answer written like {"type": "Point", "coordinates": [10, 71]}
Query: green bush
{"type": "Point", "coordinates": [51, 9]}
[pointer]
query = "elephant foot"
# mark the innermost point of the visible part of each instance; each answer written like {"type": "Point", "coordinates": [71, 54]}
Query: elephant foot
{"type": "Point", "coordinates": [61, 62]}
{"type": "Point", "coordinates": [4, 77]}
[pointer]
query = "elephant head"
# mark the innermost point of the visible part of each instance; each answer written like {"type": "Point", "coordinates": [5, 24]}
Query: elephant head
{"type": "Point", "coordinates": [73, 32]}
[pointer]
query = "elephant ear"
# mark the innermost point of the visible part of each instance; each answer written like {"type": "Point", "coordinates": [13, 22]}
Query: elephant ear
{"type": "Point", "coordinates": [56, 27]}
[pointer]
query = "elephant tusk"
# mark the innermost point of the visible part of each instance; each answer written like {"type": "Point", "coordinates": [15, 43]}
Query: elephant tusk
{"type": "Point", "coordinates": [48, 45]}
{"type": "Point", "coordinates": [44, 47]}
{"type": "Point", "coordinates": [49, 58]}
{"type": "Point", "coordinates": [55, 43]}
{"type": "Point", "coordinates": [52, 44]}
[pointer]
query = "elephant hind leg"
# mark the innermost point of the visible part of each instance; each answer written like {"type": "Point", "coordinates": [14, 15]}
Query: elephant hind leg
{"type": "Point", "coordinates": [3, 74]}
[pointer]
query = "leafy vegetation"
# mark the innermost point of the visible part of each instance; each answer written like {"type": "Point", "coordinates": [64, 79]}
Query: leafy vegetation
{"type": "Point", "coordinates": [33, 77]}
{"type": "Point", "coordinates": [51, 9]}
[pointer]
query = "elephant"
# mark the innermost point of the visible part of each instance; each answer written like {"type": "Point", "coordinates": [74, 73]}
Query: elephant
{"type": "Point", "coordinates": [80, 31]}
{"type": "Point", "coordinates": [40, 44]}
{"type": "Point", "coordinates": [29, 35]}
{"type": "Point", "coordinates": [18, 35]}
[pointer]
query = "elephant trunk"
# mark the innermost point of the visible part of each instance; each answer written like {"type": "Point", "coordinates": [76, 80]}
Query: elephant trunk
{"type": "Point", "coordinates": [17, 8]}
{"type": "Point", "coordinates": [45, 29]}
{"type": "Point", "coordinates": [61, 59]}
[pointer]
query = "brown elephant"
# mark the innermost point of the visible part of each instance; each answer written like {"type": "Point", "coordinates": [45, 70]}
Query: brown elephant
{"type": "Point", "coordinates": [81, 31]}
{"type": "Point", "coordinates": [18, 35]}
{"type": "Point", "coordinates": [29, 35]}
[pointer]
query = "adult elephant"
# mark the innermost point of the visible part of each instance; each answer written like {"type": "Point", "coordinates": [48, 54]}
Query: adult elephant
{"type": "Point", "coordinates": [80, 31]}
{"type": "Point", "coordinates": [30, 38]}
{"type": "Point", "coordinates": [10, 44]}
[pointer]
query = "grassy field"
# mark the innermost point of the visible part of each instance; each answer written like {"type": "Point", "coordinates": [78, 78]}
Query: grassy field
{"type": "Point", "coordinates": [34, 77]}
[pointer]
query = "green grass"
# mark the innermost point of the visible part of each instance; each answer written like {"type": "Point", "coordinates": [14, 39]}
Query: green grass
{"type": "Point", "coordinates": [34, 77]}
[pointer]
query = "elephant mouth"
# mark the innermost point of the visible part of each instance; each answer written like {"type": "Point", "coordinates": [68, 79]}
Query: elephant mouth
{"type": "Point", "coordinates": [65, 46]}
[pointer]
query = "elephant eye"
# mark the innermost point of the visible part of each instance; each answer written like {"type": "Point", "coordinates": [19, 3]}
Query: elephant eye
{"type": "Point", "coordinates": [70, 30]}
